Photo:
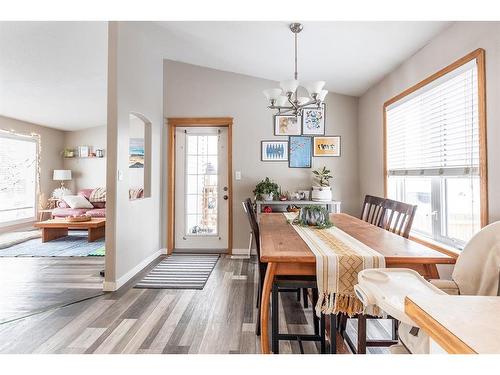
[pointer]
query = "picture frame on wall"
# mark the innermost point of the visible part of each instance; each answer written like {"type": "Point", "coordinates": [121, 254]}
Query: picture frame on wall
{"type": "Point", "coordinates": [327, 146]}
{"type": "Point", "coordinates": [300, 152]}
{"type": "Point", "coordinates": [287, 125]}
{"type": "Point", "coordinates": [274, 151]}
{"type": "Point", "coordinates": [313, 120]}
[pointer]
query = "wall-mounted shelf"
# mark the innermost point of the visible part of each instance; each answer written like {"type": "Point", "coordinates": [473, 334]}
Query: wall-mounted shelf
{"type": "Point", "coordinates": [83, 152]}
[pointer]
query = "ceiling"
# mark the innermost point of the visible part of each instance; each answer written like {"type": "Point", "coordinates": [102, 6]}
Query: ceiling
{"type": "Point", "coordinates": [54, 73]}
{"type": "Point", "coordinates": [349, 56]}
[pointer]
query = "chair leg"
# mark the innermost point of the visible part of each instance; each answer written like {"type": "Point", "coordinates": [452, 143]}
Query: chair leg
{"type": "Point", "coordinates": [298, 294]}
{"type": "Point", "coordinates": [323, 334]}
{"type": "Point", "coordinates": [306, 298]}
{"type": "Point", "coordinates": [257, 324]}
{"type": "Point", "coordinates": [395, 327]}
{"type": "Point", "coordinates": [333, 334]}
{"type": "Point", "coordinates": [275, 319]}
{"type": "Point", "coordinates": [315, 317]}
{"type": "Point", "coordinates": [361, 334]}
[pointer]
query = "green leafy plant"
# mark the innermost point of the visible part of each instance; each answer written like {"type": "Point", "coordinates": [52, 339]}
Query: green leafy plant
{"type": "Point", "coordinates": [266, 186]}
{"type": "Point", "coordinates": [322, 176]}
{"type": "Point", "coordinates": [316, 216]}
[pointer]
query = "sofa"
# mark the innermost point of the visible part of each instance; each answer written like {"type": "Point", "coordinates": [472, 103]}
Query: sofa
{"type": "Point", "coordinates": [63, 210]}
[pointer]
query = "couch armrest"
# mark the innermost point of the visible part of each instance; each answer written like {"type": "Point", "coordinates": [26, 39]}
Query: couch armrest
{"type": "Point", "coordinates": [447, 286]}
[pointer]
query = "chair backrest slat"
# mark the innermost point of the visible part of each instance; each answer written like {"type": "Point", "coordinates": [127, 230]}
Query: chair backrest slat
{"type": "Point", "coordinates": [252, 219]}
{"type": "Point", "coordinates": [396, 217]}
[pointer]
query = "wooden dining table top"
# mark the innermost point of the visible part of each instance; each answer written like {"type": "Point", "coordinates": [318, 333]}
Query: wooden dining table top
{"type": "Point", "coordinates": [280, 242]}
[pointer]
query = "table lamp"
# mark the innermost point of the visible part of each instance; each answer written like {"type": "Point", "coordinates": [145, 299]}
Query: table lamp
{"type": "Point", "coordinates": [61, 175]}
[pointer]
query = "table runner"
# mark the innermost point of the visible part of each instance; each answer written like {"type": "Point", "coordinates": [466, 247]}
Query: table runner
{"type": "Point", "coordinates": [339, 259]}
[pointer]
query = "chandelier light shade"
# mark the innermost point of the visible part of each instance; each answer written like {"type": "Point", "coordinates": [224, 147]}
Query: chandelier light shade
{"type": "Point", "coordinates": [285, 99]}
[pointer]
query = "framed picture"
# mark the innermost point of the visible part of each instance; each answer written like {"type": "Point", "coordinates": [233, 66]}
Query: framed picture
{"type": "Point", "coordinates": [274, 150]}
{"type": "Point", "coordinates": [313, 120]}
{"type": "Point", "coordinates": [287, 125]}
{"type": "Point", "coordinates": [300, 152]}
{"type": "Point", "coordinates": [136, 153]}
{"type": "Point", "coordinates": [83, 151]}
{"type": "Point", "coordinates": [327, 146]}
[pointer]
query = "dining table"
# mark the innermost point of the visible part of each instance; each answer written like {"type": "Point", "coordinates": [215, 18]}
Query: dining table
{"type": "Point", "coordinates": [286, 254]}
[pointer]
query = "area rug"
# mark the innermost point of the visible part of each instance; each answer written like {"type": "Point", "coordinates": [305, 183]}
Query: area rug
{"type": "Point", "coordinates": [14, 238]}
{"type": "Point", "coordinates": [186, 271]}
{"type": "Point", "coordinates": [73, 245]}
{"type": "Point", "coordinates": [100, 252]}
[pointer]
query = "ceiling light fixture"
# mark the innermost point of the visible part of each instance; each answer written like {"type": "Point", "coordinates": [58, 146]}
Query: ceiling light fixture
{"type": "Point", "coordinates": [285, 99]}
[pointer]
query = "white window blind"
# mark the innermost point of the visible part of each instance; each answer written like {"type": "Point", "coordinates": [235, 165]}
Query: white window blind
{"type": "Point", "coordinates": [434, 130]}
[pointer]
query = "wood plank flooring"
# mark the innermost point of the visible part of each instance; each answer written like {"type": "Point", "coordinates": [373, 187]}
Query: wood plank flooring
{"type": "Point", "coordinates": [218, 319]}
{"type": "Point", "coordinates": [29, 285]}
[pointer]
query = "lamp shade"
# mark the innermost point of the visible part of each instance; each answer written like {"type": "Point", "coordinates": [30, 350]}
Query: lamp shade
{"type": "Point", "coordinates": [322, 95]}
{"type": "Point", "coordinates": [314, 87]}
{"type": "Point", "coordinates": [272, 94]}
{"type": "Point", "coordinates": [62, 175]}
{"type": "Point", "coordinates": [303, 100]}
{"type": "Point", "coordinates": [282, 101]}
{"type": "Point", "coordinates": [289, 85]}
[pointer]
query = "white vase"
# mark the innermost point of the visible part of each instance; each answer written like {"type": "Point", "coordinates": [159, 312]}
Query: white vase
{"type": "Point", "coordinates": [321, 193]}
{"type": "Point", "coordinates": [267, 197]}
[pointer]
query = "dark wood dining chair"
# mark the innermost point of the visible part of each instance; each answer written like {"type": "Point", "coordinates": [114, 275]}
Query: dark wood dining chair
{"type": "Point", "coordinates": [252, 218]}
{"type": "Point", "coordinates": [398, 217]}
{"type": "Point", "coordinates": [373, 210]}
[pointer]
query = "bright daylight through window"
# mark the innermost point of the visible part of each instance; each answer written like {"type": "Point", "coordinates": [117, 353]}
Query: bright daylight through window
{"type": "Point", "coordinates": [433, 155]}
{"type": "Point", "coordinates": [18, 171]}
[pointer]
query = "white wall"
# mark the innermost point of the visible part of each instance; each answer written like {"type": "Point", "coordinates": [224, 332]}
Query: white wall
{"type": "Point", "coordinates": [194, 91]}
{"type": "Point", "coordinates": [52, 144]}
{"type": "Point", "coordinates": [86, 173]}
{"type": "Point", "coordinates": [135, 84]}
{"type": "Point", "coordinates": [454, 43]}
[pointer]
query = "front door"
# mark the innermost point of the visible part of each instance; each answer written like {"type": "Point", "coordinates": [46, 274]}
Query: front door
{"type": "Point", "coordinates": [201, 189]}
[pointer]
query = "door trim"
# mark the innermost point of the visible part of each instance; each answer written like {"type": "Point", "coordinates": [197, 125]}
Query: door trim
{"type": "Point", "coordinates": [196, 122]}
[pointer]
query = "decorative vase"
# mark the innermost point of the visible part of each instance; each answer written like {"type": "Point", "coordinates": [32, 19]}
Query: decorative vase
{"type": "Point", "coordinates": [321, 193]}
{"type": "Point", "coordinates": [313, 216]}
{"type": "Point", "coordinates": [268, 210]}
{"type": "Point", "coordinates": [267, 197]}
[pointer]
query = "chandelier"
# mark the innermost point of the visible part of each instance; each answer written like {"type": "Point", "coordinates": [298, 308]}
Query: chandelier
{"type": "Point", "coordinates": [285, 99]}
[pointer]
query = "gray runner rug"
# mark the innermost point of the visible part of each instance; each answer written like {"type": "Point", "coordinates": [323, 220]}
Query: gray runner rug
{"type": "Point", "coordinates": [180, 271]}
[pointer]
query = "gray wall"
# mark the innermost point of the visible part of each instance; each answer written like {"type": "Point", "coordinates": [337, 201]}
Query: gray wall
{"type": "Point", "coordinates": [454, 43]}
{"type": "Point", "coordinates": [194, 91]}
{"type": "Point", "coordinates": [86, 173]}
{"type": "Point", "coordinates": [135, 84]}
{"type": "Point", "coordinates": [52, 143]}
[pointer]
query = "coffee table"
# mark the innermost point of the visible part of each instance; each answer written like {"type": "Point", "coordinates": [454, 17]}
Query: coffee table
{"type": "Point", "coordinates": [57, 228]}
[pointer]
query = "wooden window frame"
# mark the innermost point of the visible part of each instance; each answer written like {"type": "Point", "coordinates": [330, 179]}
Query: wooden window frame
{"type": "Point", "coordinates": [479, 56]}
{"type": "Point", "coordinates": [196, 122]}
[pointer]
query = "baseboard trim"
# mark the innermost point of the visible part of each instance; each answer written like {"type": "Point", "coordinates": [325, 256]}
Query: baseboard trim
{"type": "Point", "coordinates": [111, 286]}
{"type": "Point", "coordinates": [243, 252]}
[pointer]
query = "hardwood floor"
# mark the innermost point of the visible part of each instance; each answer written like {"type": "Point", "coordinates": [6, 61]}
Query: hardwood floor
{"type": "Point", "coordinates": [29, 284]}
{"type": "Point", "coordinates": [218, 319]}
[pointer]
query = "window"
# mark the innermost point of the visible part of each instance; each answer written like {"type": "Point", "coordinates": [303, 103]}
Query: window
{"type": "Point", "coordinates": [435, 153]}
{"type": "Point", "coordinates": [18, 179]}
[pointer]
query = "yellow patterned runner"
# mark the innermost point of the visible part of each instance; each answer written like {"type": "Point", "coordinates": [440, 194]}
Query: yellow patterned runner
{"type": "Point", "coordinates": [339, 259]}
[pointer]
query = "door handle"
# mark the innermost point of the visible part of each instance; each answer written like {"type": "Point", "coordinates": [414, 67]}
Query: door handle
{"type": "Point", "coordinates": [225, 197]}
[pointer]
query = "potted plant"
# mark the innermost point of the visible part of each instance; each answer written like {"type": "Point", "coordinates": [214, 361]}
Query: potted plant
{"type": "Point", "coordinates": [266, 190]}
{"type": "Point", "coordinates": [322, 192]}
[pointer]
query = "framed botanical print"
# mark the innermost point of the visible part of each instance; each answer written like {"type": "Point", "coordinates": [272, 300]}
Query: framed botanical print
{"type": "Point", "coordinates": [327, 146]}
{"type": "Point", "coordinates": [274, 150]}
{"type": "Point", "coordinates": [299, 152]}
{"type": "Point", "coordinates": [313, 120]}
{"type": "Point", "coordinates": [287, 125]}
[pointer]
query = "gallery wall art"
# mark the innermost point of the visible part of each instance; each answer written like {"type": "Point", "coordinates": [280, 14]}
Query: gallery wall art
{"type": "Point", "coordinates": [313, 121]}
{"type": "Point", "coordinates": [274, 150]}
{"type": "Point", "coordinates": [327, 146]}
{"type": "Point", "coordinates": [136, 153]}
{"type": "Point", "coordinates": [287, 125]}
{"type": "Point", "coordinates": [300, 152]}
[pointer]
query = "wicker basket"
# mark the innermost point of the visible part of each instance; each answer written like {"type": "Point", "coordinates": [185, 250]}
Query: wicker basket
{"type": "Point", "coordinates": [78, 219]}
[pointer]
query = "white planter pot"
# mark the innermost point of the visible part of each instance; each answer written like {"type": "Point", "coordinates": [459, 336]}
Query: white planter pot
{"type": "Point", "coordinates": [321, 193]}
{"type": "Point", "coordinates": [267, 197]}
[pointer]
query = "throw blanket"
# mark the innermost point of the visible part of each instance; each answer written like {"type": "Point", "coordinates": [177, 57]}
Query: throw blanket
{"type": "Point", "coordinates": [339, 259]}
{"type": "Point", "coordinates": [98, 195]}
